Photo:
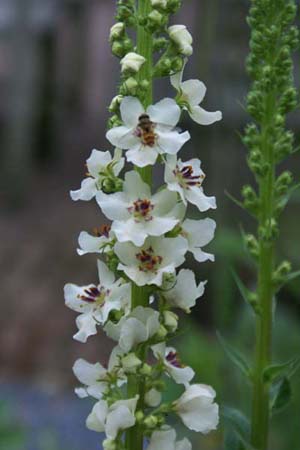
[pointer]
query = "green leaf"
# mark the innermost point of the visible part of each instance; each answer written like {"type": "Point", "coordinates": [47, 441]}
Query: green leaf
{"type": "Point", "coordinates": [232, 441]}
{"type": "Point", "coordinates": [280, 395]}
{"type": "Point", "coordinates": [249, 297]}
{"type": "Point", "coordinates": [291, 276]}
{"type": "Point", "coordinates": [287, 369]}
{"type": "Point", "coordinates": [240, 425]}
{"type": "Point", "coordinates": [235, 356]}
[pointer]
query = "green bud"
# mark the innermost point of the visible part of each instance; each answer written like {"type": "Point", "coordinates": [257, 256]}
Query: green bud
{"type": "Point", "coordinates": [109, 444]}
{"type": "Point", "coordinates": [139, 416]}
{"type": "Point", "coordinates": [144, 85]}
{"type": "Point", "coordinates": [160, 43]}
{"type": "Point", "coordinates": [161, 333]}
{"type": "Point", "coordinates": [281, 273]}
{"type": "Point", "coordinates": [130, 363]}
{"type": "Point", "coordinates": [170, 321]}
{"type": "Point", "coordinates": [145, 370]}
{"type": "Point", "coordinates": [252, 245]}
{"type": "Point", "coordinates": [283, 183]}
{"type": "Point", "coordinates": [155, 19]}
{"type": "Point", "coordinates": [130, 86]}
{"type": "Point", "coordinates": [114, 107]}
{"type": "Point", "coordinates": [117, 31]}
{"type": "Point", "coordinates": [150, 422]}
{"type": "Point", "coordinates": [118, 49]}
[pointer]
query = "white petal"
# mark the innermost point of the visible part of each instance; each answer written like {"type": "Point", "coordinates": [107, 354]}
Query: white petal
{"type": "Point", "coordinates": [141, 155]}
{"type": "Point", "coordinates": [183, 445]}
{"type": "Point", "coordinates": [200, 232]}
{"type": "Point", "coordinates": [194, 90]}
{"type": "Point", "coordinates": [131, 109]}
{"type": "Point", "coordinates": [160, 225]}
{"type": "Point", "coordinates": [106, 277]}
{"type": "Point", "coordinates": [203, 117]}
{"type": "Point", "coordinates": [87, 191]}
{"type": "Point", "coordinates": [132, 333]}
{"type": "Point", "coordinates": [97, 161]}
{"type": "Point", "coordinates": [181, 375]}
{"type": "Point", "coordinates": [88, 373]}
{"type": "Point", "coordinates": [165, 112]}
{"type": "Point", "coordinates": [97, 417]}
{"type": "Point", "coordinates": [164, 201]}
{"type": "Point", "coordinates": [81, 392]}
{"type": "Point", "coordinates": [171, 141]}
{"type": "Point", "coordinates": [176, 79]}
{"type": "Point", "coordinates": [126, 252]}
{"type": "Point", "coordinates": [86, 326]}
{"type": "Point", "coordinates": [114, 206]}
{"type": "Point", "coordinates": [72, 294]}
{"type": "Point", "coordinates": [130, 231]}
{"type": "Point", "coordinates": [90, 244]}
{"type": "Point", "coordinates": [196, 196]}
{"type": "Point", "coordinates": [163, 440]}
{"type": "Point", "coordinates": [117, 420]}
{"type": "Point", "coordinates": [122, 137]}
{"type": "Point", "coordinates": [185, 292]}
{"type": "Point", "coordinates": [97, 390]}
{"type": "Point", "coordinates": [153, 398]}
{"type": "Point", "coordinates": [134, 187]}
{"type": "Point", "coordinates": [202, 256]}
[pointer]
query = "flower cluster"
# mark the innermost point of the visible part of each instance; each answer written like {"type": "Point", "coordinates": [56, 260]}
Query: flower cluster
{"type": "Point", "coordinates": [145, 242]}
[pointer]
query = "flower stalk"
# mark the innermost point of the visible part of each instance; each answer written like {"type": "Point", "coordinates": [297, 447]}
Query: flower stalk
{"type": "Point", "coordinates": [272, 96]}
{"type": "Point", "coordinates": [146, 241]}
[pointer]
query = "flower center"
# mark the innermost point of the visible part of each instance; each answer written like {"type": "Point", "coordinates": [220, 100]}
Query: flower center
{"type": "Point", "coordinates": [187, 178]}
{"type": "Point", "coordinates": [173, 359]}
{"type": "Point", "coordinates": [149, 262]}
{"type": "Point", "coordinates": [103, 230]}
{"type": "Point", "coordinates": [95, 295]}
{"type": "Point", "coordinates": [145, 131]}
{"type": "Point", "coordinates": [141, 209]}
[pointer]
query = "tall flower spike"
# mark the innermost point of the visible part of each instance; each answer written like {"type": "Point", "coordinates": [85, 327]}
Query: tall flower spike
{"type": "Point", "coordinates": [144, 242]}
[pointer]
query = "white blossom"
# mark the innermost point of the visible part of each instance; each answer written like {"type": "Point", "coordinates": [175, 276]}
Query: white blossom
{"type": "Point", "coordinates": [132, 62]}
{"type": "Point", "coordinates": [185, 292]}
{"type": "Point", "coordinates": [101, 242]}
{"type": "Point", "coordinates": [149, 264]}
{"type": "Point", "coordinates": [180, 373]}
{"type": "Point", "coordinates": [198, 234]}
{"type": "Point", "coordinates": [139, 326]}
{"type": "Point", "coordinates": [165, 439]}
{"type": "Point", "coordinates": [146, 134]}
{"type": "Point", "coordinates": [99, 166]}
{"type": "Point", "coordinates": [191, 94]}
{"type": "Point", "coordinates": [160, 3]}
{"type": "Point", "coordinates": [182, 38]}
{"type": "Point", "coordinates": [112, 419]}
{"type": "Point", "coordinates": [136, 214]}
{"type": "Point", "coordinates": [197, 409]}
{"type": "Point", "coordinates": [186, 178]}
{"type": "Point", "coordinates": [95, 302]}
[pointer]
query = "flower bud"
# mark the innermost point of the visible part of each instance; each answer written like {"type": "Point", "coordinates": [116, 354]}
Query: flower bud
{"type": "Point", "coordinates": [130, 86]}
{"type": "Point", "coordinates": [130, 363]}
{"type": "Point", "coordinates": [150, 422]}
{"type": "Point", "coordinates": [109, 444]}
{"type": "Point", "coordinates": [155, 20]}
{"type": "Point", "coordinates": [145, 370]}
{"type": "Point", "coordinates": [159, 3]}
{"type": "Point", "coordinates": [118, 49]}
{"type": "Point", "coordinates": [161, 333]}
{"type": "Point", "coordinates": [182, 38]}
{"type": "Point", "coordinates": [153, 398]}
{"type": "Point", "coordinates": [115, 103]}
{"type": "Point", "coordinates": [170, 321]}
{"type": "Point", "coordinates": [139, 416]}
{"type": "Point", "coordinates": [116, 31]}
{"type": "Point", "coordinates": [132, 62]}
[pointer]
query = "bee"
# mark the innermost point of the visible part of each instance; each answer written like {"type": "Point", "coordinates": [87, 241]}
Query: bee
{"type": "Point", "coordinates": [146, 130]}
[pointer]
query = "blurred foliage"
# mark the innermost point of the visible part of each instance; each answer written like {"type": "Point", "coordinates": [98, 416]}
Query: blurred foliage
{"type": "Point", "coordinates": [12, 435]}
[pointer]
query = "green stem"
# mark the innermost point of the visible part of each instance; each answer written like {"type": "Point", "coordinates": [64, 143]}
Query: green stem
{"type": "Point", "coordinates": [260, 404]}
{"type": "Point", "coordinates": [140, 296]}
{"type": "Point", "coordinates": [145, 48]}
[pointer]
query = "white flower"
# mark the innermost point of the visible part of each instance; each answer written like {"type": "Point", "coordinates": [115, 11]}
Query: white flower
{"type": "Point", "coordinates": [186, 178]}
{"type": "Point", "coordinates": [153, 398]}
{"type": "Point", "coordinates": [191, 94]}
{"type": "Point", "coordinates": [95, 302]}
{"type": "Point", "coordinates": [139, 326]}
{"type": "Point", "coordinates": [198, 234]}
{"type": "Point", "coordinates": [175, 369]}
{"type": "Point", "coordinates": [165, 439]}
{"type": "Point", "coordinates": [99, 165]}
{"type": "Point", "coordinates": [136, 214]}
{"type": "Point", "coordinates": [197, 410]}
{"type": "Point", "coordinates": [132, 62]}
{"type": "Point", "coordinates": [112, 419]}
{"type": "Point", "coordinates": [149, 264]}
{"type": "Point", "coordinates": [185, 292]}
{"type": "Point", "coordinates": [99, 243]}
{"type": "Point", "coordinates": [182, 38]}
{"type": "Point", "coordinates": [146, 134]}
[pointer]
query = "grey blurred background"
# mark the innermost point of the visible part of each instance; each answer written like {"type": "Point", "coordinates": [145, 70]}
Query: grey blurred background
{"type": "Point", "coordinates": [57, 77]}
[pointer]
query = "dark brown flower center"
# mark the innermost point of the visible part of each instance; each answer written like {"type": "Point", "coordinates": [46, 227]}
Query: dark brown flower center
{"type": "Point", "coordinates": [95, 295]}
{"type": "Point", "coordinates": [103, 230]}
{"type": "Point", "coordinates": [149, 262]}
{"type": "Point", "coordinates": [141, 209]}
{"type": "Point", "coordinates": [187, 178]}
{"type": "Point", "coordinates": [173, 359]}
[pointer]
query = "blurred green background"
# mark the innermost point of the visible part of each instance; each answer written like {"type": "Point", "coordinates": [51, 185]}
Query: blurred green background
{"type": "Point", "coordinates": [57, 77]}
